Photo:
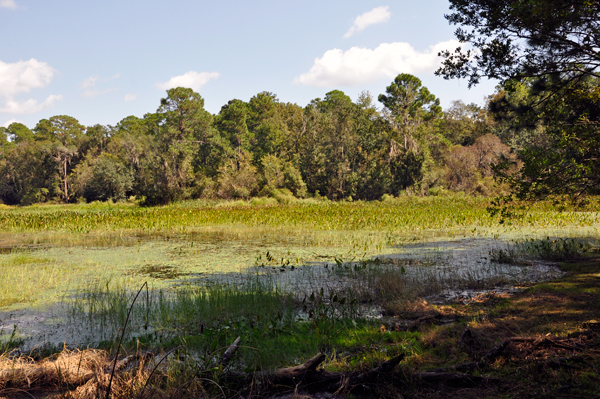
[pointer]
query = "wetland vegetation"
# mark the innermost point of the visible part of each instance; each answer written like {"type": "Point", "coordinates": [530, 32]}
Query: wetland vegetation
{"type": "Point", "coordinates": [336, 249]}
{"type": "Point", "coordinates": [361, 282]}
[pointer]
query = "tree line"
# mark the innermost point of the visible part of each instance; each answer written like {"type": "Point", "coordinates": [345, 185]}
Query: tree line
{"type": "Point", "coordinates": [333, 147]}
{"type": "Point", "coordinates": [538, 135]}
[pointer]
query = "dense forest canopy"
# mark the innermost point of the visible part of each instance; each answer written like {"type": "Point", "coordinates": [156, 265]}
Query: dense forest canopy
{"type": "Point", "coordinates": [333, 147]}
{"type": "Point", "coordinates": [536, 137]}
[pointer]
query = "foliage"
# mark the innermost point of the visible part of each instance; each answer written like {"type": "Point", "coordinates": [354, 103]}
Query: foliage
{"type": "Point", "coordinates": [463, 123]}
{"type": "Point", "coordinates": [61, 136]}
{"type": "Point", "coordinates": [524, 38]}
{"type": "Point", "coordinates": [182, 129]}
{"type": "Point", "coordinates": [106, 178]}
{"type": "Point", "coordinates": [282, 174]}
{"type": "Point", "coordinates": [17, 133]}
{"type": "Point", "coordinates": [560, 157]}
{"type": "Point", "coordinates": [27, 174]}
{"type": "Point", "coordinates": [333, 147]}
{"type": "Point", "coordinates": [467, 165]}
{"type": "Point", "coordinates": [409, 109]}
{"type": "Point", "coordinates": [237, 179]}
{"type": "Point", "coordinates": [546, 55]}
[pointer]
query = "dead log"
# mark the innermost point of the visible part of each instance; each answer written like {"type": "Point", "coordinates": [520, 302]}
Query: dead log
{"type": "Point", "coordinates": [488, 358]}
{"type": "Point", "coordinates": [558, 363]}
{"type": "Point", "coordinates": [563, 346]}
{"type": "Point", "coordinates": [385, 368]}
{"type": "Point", "coordinates": [295, 373]}
{"type": "Point", "coordinates": [308, 377]}
{"type": "Point", "coordinates": [341, 381]}
{"type": "Point", "coordinates": [228, 355]}
{"type": "Point", "coordinates": [496, 351]}
{"type": "Point", "coordinates": [405, 325]}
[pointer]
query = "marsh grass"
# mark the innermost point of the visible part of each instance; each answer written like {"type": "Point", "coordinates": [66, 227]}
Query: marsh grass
{"type": "Point", "coordinates": [283, 312]}
{"type": "Point", "coordinates": [22, 275]}
{"type": "Point", "coordinates": [9, 341]}
{"type": "Point", "coordinates": [556, 249]}
{"type": "Point", "coordinates": [401, 215]}
{"type": "Point", "coordinates": [189, 239]}
{"type": "Point", "coordinates": [277, 326]}
{"type": "Point", "coordinates": [209, 286]}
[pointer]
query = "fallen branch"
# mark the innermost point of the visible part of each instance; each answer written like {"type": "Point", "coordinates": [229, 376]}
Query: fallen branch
{"type": "Point", "coordinates": [292, 374]}
{"type": "Point", "coordinates": [228, 355]}
{"type": "Point", "coordinates": [495, 352]}
{"type": "Point", "coordinates": [308, 377]}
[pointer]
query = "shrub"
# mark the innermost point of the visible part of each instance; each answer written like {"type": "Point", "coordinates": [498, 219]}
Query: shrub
{"type": "Point", "coordinates": [102, 179]}
{"type": "Point", "coordinates": [237, 179]}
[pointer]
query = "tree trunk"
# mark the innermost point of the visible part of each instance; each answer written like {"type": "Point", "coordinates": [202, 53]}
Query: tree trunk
{"type": "Point", "coordinates": [65, 180]}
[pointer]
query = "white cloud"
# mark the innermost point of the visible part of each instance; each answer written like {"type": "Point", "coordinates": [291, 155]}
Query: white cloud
{"type": "Point", "coordinates": [93, 93]}
{"type": "Point", "coordinates": [89, 85]}
{"type": "Point", "coordinates": [130, 97]}
{"type": "Point", "coordinates": [89, 82]}
{"type": "Point", "coordinates": [191, 79]}
{"type": "Point", "coordinates": [30, 106]}
{"type": "Point", "coordinates": [375, 16]}
{"type": "Point", "coordinates": [8, 4]}
{"type": "Point", "coordinates": [22, 76]}
{"type": "Point", "coordinates": [10, 122]}
{"type": "Point", "coordinates": [360, 66]}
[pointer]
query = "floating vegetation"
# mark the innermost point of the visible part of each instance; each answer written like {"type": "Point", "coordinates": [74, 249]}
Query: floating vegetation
{"type": "Point", "coordinates": [159, 272]}
{"type": "Point", "coordinates": [374, 256]}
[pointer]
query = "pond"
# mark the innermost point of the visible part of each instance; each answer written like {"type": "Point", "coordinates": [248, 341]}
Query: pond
{"type": "Point", "coordinates": [61, 277]}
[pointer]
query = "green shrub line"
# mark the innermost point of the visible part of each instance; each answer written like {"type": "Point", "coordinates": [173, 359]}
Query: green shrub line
{"type": "Point", "coordinates": [401, 214]}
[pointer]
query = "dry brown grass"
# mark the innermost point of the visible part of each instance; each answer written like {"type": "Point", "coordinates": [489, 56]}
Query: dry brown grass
{"type": "Point", "coordinates": [73, 374]}
{"type": "Point", "coordinates": [68, 368]}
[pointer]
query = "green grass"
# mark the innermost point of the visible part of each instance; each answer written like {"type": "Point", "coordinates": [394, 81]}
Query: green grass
{"type": "Point", "coordinates": [401, 215]}
{"type": "Point", "coordinates": [129, 244]}
{"type": "Point", "coordinates": [277, 327]}
{"type": "Point", "coordinates": [23, 275]}
{"type": "Point", "coordinates": [557, 249]}
{"type": "Point", "coordinates": [92, 258]}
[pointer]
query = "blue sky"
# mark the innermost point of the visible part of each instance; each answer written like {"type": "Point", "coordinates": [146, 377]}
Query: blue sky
{"type": "Point", "coordinates": [102, 61]}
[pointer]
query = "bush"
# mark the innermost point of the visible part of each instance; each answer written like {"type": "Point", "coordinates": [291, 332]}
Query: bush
{"type": "Point", "coordinates": [280, 174]}
{"type": "Point", "coordinates": [237, 179]}
{"type": "Point", "coordinates": [470, 169]}
{"type": "Point", "coordinates": [104, 178]}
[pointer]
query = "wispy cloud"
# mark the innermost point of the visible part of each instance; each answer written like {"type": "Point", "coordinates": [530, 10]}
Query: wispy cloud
{"type": "Point", "coordinates": [130, 97]}
{"type": "Point", "coordinates": [360, 66]}
{"type": "Point", "coordinates": [30, 106]}
{"type": "Point", "coordinates": [93, 92]}
{"type": "Point", "coordinates": [89, 82]}
{"type": "Point", "coordinates": [89, 86]}
{"type": "Point", "coordinates": [377, 15]}
{"type": "Point", "coordinates": [192, 79]}
{"type": "Point", "coordinates": [8, 4]}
